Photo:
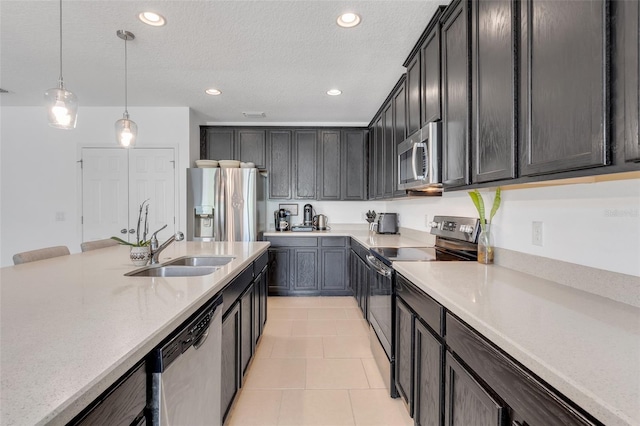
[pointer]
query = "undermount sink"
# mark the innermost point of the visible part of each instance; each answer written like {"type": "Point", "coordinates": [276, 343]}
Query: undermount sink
{"type": "Point", "coordinates": [172, 271]}
{"type": "Point", "coordinates": [201, 260]}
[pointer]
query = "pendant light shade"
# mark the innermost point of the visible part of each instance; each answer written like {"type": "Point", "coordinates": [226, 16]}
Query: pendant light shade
{"type": "Point", "coordinates": [62, 105]}
{"type": "Point", "coordinates": [126, 129]}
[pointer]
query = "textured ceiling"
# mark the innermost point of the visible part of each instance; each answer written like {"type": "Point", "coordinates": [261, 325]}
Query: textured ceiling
{"type": "Point", "coordinates": [276, 57]}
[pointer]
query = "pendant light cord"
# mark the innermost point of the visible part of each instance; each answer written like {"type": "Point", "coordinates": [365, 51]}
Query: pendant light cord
{"type": "Point", "coordinates": [125, 77]}
{"type": "Point", "coordinates": [60, 78]}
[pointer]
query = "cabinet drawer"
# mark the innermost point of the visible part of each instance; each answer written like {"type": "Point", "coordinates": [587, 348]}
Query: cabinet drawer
{"type": "Point", "coordinates": [260, 263]}
{"type": "Point", "coordinates": [293, 241]}
{"type": "Point", "coordinates": [520, 389]}
{"type": "Point", "coordinates": [236, 287]}
{"type": "Point", "coordinates": [333, 241]}
{"type": "Point", "coordinates": [431, 312]}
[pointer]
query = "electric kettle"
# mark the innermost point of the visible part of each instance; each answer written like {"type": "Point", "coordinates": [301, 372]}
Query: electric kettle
{"type": "Point", "coordinates": [320, 222]}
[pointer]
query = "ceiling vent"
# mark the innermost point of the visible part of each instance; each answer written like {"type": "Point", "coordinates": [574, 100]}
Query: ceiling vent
{"type": "Point", "coordinates": [254, 114]}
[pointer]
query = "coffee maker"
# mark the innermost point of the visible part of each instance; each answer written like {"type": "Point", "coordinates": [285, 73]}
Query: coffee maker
{"type": "Point", "coordinates": [282, 220]}
{"type": "Point", "coordinates": [308, 215]}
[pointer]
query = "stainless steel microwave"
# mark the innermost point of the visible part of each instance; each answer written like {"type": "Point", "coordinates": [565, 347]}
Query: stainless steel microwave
{"type": "Point", "coordinates": [420, 159]}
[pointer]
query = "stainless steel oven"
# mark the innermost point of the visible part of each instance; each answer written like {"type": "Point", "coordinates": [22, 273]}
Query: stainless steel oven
{"type": "Point", "coordinates": [456, 239]}
{"type": "Point", "coordinates": [419, 160]}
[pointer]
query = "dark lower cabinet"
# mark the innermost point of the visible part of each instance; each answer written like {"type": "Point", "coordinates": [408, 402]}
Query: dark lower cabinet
{"type": "Point", "coordinates": [230, 360]}
{"type": "Point", "coordinates": [456, 112]}
{"type": "Point", "coordinates": [359, 276]}
{"type": "Point", "coordinates": [467, 401]}
{"type": "Point", "coordinates": [308, 266]}
{"type": "Point", "coordinates": [122, 404]}
{"type": "Point", "coordinates": [428, 395]}
{"type": "Point", "coordinates": [247, 336]}
{"type": "Point", "coordinates": [404, 353]}
{"type": "Point", "coordinates": [563, 92]}
{"type": "Point", "coordinates": [494, 72]}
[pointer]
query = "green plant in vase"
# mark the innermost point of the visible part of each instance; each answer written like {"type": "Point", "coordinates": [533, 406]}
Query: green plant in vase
{"type": "Point", "coordinates": [485, 243]}
{"type": "Point", "coordinates": [140, 250]}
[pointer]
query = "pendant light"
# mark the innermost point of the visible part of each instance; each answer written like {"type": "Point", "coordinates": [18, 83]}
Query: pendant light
{"type": "Point", "coordinates": [126, 130]}
{"type": "Point", "coordinates": [62, 105]}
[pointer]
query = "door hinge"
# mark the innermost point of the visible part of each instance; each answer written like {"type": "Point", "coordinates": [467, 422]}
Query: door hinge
{"type": "Point", "coordinates": [81, 163]}
{"type": "Point", "coordinates": [81, 220]}
{"type": "Point", "coordinates": [173, 163]}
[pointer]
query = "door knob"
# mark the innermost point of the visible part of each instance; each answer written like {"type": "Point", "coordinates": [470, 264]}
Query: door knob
{"type": "Point", "coordinates": [132, 231]}
{"type": "Point", "coordinates": [123, 231]}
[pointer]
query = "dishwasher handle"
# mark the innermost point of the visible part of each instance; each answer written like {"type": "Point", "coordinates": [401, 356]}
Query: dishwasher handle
{"type": "Point", "coordinates": [201, 339]}
{"type": "Point", "coordinates": [385, 272]}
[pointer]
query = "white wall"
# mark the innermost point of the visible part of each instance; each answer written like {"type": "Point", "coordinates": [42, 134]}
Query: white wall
{"type": "Point", "coordinates": [40, 175]}
{"type": "Point", "coordinates": [592, 224]}
{"type": "Point", "coordinates": [336, 211]}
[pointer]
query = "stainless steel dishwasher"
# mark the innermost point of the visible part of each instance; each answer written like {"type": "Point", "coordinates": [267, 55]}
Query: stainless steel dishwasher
{"type": "Point", "coordinates": [186, 372]}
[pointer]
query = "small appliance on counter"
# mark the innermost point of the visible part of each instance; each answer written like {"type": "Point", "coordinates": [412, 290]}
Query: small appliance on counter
{"type": "Point", "coordinates": [320, 222]}
{"type": "Point", "coordinates": [308, 215]}
{"type": "Point", "coordinates": [282, 220]}
{"type": "Point", "coordinates": [387, 223]}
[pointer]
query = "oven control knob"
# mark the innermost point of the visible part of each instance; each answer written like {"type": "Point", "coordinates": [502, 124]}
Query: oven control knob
{"type": "Point", "coordinates": [434, 224]}
{"type": "Point", "coordinates": [466, 229]}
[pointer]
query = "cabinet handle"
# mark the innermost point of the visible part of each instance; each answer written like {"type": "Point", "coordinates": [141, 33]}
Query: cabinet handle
{"type": "Point", "coordinates": [123, 231]}
{"type": "Point", "coordinates": [132, 231]}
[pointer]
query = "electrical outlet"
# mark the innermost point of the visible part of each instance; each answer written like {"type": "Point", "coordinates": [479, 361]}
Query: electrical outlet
{"type": "Point", "coordinates": [536, 233]}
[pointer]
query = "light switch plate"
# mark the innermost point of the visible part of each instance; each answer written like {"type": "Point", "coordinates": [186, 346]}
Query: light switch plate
{"type": "Point", "coordinates": [536, 233]}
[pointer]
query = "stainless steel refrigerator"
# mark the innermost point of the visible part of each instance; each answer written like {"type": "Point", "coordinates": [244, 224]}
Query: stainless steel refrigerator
{"type": "Point", "coordinates": [225, 204]}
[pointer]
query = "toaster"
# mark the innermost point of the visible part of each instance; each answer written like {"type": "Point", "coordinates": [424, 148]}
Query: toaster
{"type": "Point", "coordinates": [387, 223]}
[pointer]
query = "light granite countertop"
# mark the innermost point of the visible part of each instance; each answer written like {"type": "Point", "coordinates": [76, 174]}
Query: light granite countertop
{"type": "Point", "coordinates": [586, 346]}
{"type": "Point", "coordinates": [72, 325]}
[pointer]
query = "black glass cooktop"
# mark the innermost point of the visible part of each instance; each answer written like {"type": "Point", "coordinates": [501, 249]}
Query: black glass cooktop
{"type": "Point", "coordinates": [415, 254]}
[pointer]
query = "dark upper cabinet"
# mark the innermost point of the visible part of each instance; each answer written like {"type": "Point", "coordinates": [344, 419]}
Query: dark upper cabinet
{"type": "Point", "coordinates": [329, 165]}
{"type": "Point", "coordinates": [217, 143]}
{"type": "Point", "coordinates": [388, 152]}
{"type": "Point", "coordinates": [225, 143]}
{"type": "Point", "coordinates": [354, 164]}
{"type": "Point", "coordinates": [251, 146]}
{"type": "Point", "coordinates": [280, 169]}
{"type": "Point", "coordinates": [430, 71]}
{"type": "Point", "coordinates": [413, 95]}
{"type": "Point", "coordinates": [455, 94]}
{"type": "Point", "coordinates": [625, 76]}
{"type": "Point", "coordinates": [304, 163]}
{"type": "Point", "coordinates": [493, 73]}
{"type": "Point", "coordinates": [399, 101]}
{"type": "Point", "coordinates": [563, 91]}
{"type": "Point", "coordinates": [379, 158]}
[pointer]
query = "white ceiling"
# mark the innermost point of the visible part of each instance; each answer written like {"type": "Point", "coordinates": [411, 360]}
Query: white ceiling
{"type": "Point", "coordinates": [276, 57]}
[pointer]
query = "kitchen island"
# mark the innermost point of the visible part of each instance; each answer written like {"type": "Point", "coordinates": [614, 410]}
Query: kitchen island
{"type": "Point", "coordinates": [73, 325]}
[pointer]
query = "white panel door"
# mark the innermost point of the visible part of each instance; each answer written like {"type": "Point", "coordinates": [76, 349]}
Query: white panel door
{"type": "Point", "coordinates": [105, 193]}
{"type": "Point", "coordinates": [152, 177]}
{"type": "Point", "coordinates": [116, 181]}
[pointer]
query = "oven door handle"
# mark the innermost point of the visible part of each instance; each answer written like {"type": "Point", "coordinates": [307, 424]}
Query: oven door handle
{"type": "Point", "coordinates": [376, 267]}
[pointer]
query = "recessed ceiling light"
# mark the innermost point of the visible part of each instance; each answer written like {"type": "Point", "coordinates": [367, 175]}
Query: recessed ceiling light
{"type": "Point", "coordinates": [152, 18]}
{"type": "Point", "coordinates": [348, 20]}
{"type": "Point", "coordinates": [334, 92]}
{"type": "Point", "coordinates": [212, 92]}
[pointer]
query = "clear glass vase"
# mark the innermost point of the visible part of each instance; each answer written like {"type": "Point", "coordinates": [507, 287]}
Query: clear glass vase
{"type": "Point", "coordinates": [485, 245]}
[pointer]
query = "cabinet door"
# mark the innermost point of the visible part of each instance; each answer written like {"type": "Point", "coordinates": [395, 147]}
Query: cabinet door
{"type": "Point", "coordinates": [305, 267]}
{"type": "Point", "coordinates": [333, 270]}
{"type": "Point", "coordinates": [467, 401]}
{"type": "Point", "coordinates": [230, 359]}
{"type": "Point", "coordinates": [354, 165]}
{"type": "Point", "coordinates": [413, 95]}
{"type": "Point", "coordinates": [279, 271]}
{"type": "Point", "coordinates": [399, 101]}
{"type": "Point", "coordinates": [329, 165]}
{"type": "Point", "coordinates": [247, 341]}
{"type": "Point", "coordinates": [372, 162]}
{"type": "Point", "coordinates": [494, 90]}
{"type": "Point", "coordinates": [379, 140]}
{"type": "Point", "coordinates": [455, 95]}
{"type": "Point", "coordinates": [217, 144]}
{"type": "Point", "coordinates": [388, 151]}
{"type": "Point", "coordinates": [428, 395]}
{"type": "Point", "coordinates": [304, 162]}
{"type": "Point", "coordinates": [251, 146]}
{"type": "Point", "coordinates": [264, 296]}
{"type": "Point", "coordinates": [404, 353]}
{"type": "Point", "coordinates": [280, 164]}
{"type": "Point", "coordinates": [563, 92]}
{"type": "Point", "coordinates": [430, 78]}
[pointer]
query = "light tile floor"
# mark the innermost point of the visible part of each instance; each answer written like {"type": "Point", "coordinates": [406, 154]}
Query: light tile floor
{"type": "Point", "coordinates": [313, 366]}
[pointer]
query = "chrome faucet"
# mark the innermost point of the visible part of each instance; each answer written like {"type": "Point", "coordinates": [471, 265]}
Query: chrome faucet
{"type": "Point", "coordinates": [156, 250]}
